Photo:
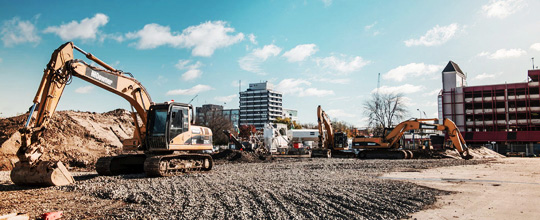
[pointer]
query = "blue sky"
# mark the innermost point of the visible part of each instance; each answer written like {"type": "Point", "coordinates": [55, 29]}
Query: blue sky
{"type": "Point", "coordinates": [316, 52]}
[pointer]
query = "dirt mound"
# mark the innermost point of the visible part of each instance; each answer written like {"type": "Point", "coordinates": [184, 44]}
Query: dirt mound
{"type": "Point", "coordinates": [476, 152]}
{"type": "Point", "coordinates": [77, 139]}
{"type": "Point", "coordinates": [237, 156]}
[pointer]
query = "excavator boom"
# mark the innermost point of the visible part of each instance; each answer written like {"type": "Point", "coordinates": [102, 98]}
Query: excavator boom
{"type": "Point", "coordinates": [30, 170]}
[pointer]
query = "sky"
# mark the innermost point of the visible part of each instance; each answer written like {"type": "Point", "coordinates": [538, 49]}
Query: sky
{"type": "Point", "coordinates": [319, 52]}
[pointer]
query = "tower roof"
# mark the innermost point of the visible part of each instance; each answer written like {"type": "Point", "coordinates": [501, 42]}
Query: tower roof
{"type": "Point", "coordinates": [453, 67]}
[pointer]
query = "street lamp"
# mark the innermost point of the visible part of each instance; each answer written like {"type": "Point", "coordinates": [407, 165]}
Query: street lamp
{"type": "Point", "coordinates": [420, 112]}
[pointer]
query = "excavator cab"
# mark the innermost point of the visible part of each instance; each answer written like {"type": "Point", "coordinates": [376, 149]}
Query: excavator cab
{"type": "Point", "coordinates": [166, 121]}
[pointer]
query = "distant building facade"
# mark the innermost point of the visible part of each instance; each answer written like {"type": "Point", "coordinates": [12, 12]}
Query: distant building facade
{"type": "Point", "coordinates": [260, 104]}
{"type": "Point", "coordinates": [290, 113]}
{"type": "Point", "coordinates": [505, 117]}
{"type": "Point", "coordinates": [208, 111]}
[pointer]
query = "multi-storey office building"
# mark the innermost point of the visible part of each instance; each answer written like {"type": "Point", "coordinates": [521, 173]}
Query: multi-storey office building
{"type": "Point", "coordinates": [260, 104]}
{"type": "Point", "coordinates": [503, 116]}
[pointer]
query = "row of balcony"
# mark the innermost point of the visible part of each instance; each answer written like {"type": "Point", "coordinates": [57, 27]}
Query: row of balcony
{"type": "Point", "coordinates": [504, 122]}
{"type": "Point", "coordinates": [501, 98]}
{"type": "Point", "coordinates": [501, 110]}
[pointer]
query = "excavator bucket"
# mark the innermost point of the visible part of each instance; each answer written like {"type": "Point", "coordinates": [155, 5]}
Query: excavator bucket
{"type": "Point", "coordinates": [466, 155]}
{"type": "Point", "coordinates": [44, 173]}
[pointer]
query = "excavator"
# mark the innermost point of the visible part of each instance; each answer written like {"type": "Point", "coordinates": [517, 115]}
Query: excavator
{"type": "Point", "coordinates": [387, 147]}
{"type": "Point", "coordinates": [165, 140]}
{"type": "Point", "coordinates": [329, 141]}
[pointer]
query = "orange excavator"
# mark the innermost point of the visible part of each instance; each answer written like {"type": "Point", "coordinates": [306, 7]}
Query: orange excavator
{"type": "Point", "coordinates": [330, 142]}
{"type": "Point", "coordinates": [163, 131]}
{"type": "Point", "coordinates": [387, 147]}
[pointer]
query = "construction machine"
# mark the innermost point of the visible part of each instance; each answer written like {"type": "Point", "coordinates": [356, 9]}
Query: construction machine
{"type": "Point", "coordinates": [165, 140]}
{"type": "Point", "coordinates": [387, 147]}
{"type": "Point", "coordinates": [329, 141]}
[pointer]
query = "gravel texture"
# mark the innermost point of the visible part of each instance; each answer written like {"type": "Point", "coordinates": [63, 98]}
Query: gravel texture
{"type": "Point", "coordinates": [282, 189]}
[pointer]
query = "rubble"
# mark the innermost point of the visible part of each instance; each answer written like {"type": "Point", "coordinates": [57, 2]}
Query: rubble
{"type": "Point", "coordinates": [317, 188]}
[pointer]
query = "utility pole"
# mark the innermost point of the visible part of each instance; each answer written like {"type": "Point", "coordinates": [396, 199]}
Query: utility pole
{"type": "Point", "coordinates": [532, 62]}
{"type": "Point", "coordinates": [378, 83]}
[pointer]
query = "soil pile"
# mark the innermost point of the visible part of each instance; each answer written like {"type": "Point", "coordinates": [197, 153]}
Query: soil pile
{"type": "Point", "coordinates": [77, 139]}
{"type": "Point", "coordinates": [237, 156]}
{"type": "Point", "coordinates": [476, 152]}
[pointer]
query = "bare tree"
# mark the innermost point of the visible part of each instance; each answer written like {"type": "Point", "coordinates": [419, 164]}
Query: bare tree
{"type": "Point", "coordinates": [217, 122]}
{"type": "Point", "coordinates": [385, 110]}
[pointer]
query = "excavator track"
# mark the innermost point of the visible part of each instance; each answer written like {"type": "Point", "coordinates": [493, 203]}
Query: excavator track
{"type": "Point", "coordinates": [122, 164]}
{"type": "Point", "coordinates": [384, 154]}
{"type": "Point", "coordinates": [174, 165]}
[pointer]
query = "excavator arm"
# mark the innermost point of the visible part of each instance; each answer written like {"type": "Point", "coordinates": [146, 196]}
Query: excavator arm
{"type": "Point", "coordinates": [326, 133]}
{"type": "Point", "coordinates": [30, 170]}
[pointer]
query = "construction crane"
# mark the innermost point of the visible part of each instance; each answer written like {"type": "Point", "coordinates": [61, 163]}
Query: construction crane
{"type": "Point", "coordinates": [387, 147]}
{"type": "Point", "coordinates": [165, 132]}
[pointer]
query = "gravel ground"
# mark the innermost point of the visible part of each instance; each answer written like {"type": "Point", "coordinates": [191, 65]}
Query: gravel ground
{"type": "Point", "coordinates": [283, 189]}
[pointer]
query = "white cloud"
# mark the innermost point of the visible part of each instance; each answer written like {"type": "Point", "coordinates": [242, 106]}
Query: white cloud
{"type": "Point", "coordinates": [536, 46]}
{"type": "Point", "coordinates": [267, 51]}
{"type": "Point", "coordinates": [225, 98]}
{"type": "Point", "coordinates": [191, 74]}
{"type": "Point", "coordinates": [432, 93]}
{"type": "Point", "coordinates": [502, 8]}
{"type": "Point", "coordinates": [87, 29]}
{"type": "Point", "coordinates": [236, 84]}
{"type": "Point", "coordinates": [252, 39]}
{"type": "Point", "coordinates": [297, 87]}
{"type": "Point", "coordinates": [335, 113]}
{"type": "Point", "coordinates": [315, 92]}
{"type": "Point", "coordinates": [484, 76]}
{"type": "Point", "coordinates": [411, 70]}
{"type": "Point", "coordinates": [16, 31]}
{"type": "Point", "coordinates": [343, 64]}
{"type": "Point", "coordinates": [504, 53]}
{"type": "Point", "coordinates": [252, 62]}
{"type": "Point", "coordinates": [161, 80]}
{"type": "Point", "coordinates": [482, 54]}
{"type": "Point", "coordinates": [327, 3]}
{"type": "Point", "coordinates": [408, 102]}
{"type": "Point", "coordinates": [342, 81]}
{"type": "Point", "coordinates": [204, 38]}
{"type": "Point", "coordinates": [368, 27]}
{"type": "Point", "coordinates": [405, 89]}
{"type": "Point", "coordinates": [191, 91]}
{"type": "Point", "coordinates": [193, 70]}
{"type": "Point", "coordinates": [84, 89]}
{"type": "Point", "coordinates": [436, 36]}
{"type": "Point", "coordinates": [300, 52]}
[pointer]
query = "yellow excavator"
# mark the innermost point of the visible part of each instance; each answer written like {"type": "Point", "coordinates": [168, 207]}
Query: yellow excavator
{"type": "Point", "coordinates": [330, 142]}
{"type": "Point", "coordinates": [164, 132]}
{"type": "Point", "coordinates": [387, 147]}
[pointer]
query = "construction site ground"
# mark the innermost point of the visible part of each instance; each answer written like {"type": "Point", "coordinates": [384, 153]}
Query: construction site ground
{"type": "Point", "coordinates": [299, 188]}
{"type": "Point", "coordinates": [506, 188]}
{"type": "Point", "coordinates": [244, 185]}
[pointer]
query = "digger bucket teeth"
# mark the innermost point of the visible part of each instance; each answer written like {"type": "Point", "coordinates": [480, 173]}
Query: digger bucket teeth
{"type": "Point", "coordinates": [44, 173]}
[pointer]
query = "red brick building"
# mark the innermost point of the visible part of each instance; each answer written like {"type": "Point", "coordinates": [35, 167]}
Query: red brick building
{"type": "Point", "coordinates": [505, 117]}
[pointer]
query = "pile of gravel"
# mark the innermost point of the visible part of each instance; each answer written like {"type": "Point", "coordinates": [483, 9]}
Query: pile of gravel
{"type": "Point", "coordinates": [305, 189]}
